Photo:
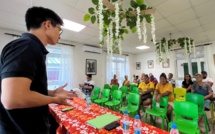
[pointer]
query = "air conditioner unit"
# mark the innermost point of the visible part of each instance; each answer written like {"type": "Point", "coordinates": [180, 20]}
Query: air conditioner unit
{"type": "Point", "coordinates": [90, 49]}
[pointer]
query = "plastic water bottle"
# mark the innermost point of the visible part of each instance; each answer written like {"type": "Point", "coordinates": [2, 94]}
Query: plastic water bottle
{"type": "Point", "coordinates": [137, 125]}
{"type": "Point", "coordinates": [125, 123]}
{"type": "Point", "coordinates": [174, 129]}
{"type": "Point", "coordinates": [88, 101]}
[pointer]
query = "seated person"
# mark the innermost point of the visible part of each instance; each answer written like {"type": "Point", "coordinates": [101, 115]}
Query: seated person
{"type": "Point", "coordinates": [126, 82]}
{"type": "Point", "coordinates": [165, 89]}
{"type": "Point", "coordinates": [202, 88]}
{"type": "Point", "coordinates": [153, 79]}
{"type": "Point", "coordinates": [187, 83]}
{"type": "Point", "coordinates": [171, 80]}
{"type": "Point", "coordinates": [206, 79]}
{"type": "Point", "coordinates": [136, 81]}
{"type": "Point", "coordinates": [146, 88]}
{"type": "Point", "coordinates": [114, 81]}
{"type": "Point", "coordinates": [88, 85]}
{"type": "Point", "coordinates": [142, 78]}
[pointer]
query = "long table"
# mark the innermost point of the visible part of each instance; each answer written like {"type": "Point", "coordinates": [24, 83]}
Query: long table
{"type": "Point", "coordinates": [74, 121]}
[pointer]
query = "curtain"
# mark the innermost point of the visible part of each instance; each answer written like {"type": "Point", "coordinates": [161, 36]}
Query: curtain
{"type": "Point", "coordinates": [60, 66]}
{"type": "Point", "coordinates": [119, 65]}
{"type": "Point", "coordinates": [210, 62]}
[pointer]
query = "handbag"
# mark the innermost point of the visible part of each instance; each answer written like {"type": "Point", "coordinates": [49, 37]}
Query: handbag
{"type": "Point", "coordinates": [146, 96]}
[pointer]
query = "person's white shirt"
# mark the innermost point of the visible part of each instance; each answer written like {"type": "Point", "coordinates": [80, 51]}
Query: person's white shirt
{"type": "Point", "coordinates": [207, 80]}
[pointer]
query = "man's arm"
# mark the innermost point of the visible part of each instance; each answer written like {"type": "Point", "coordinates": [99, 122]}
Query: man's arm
{"type": "Point", "coordinates": [210, 83]}
{"type": "Point", "coordinates": [210, 95]}
{"type": "Point", "coordinates": [16, 94]}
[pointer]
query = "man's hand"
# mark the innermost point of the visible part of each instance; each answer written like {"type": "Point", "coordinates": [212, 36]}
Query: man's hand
{"type": "Point", "coordinates": [61, 93]}
{"type": "Point", "coordinates": [158, 98]}
{"type": "Point", "coordinates": [62, 101]}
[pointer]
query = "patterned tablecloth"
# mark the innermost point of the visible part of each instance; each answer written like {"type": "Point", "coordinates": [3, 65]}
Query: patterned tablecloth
{"type": "Point", "coordinates": [74, 121]}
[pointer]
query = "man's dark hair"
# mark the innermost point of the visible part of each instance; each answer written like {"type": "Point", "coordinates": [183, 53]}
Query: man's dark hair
{"type": "Point", "coordinates": [89, 75]}
{"type": "Point", "coordinates": [163, 75]}
{"type": "Point", "coordinates": [204, 72]}
{"type": "Point", "coordinates": [35, 16]}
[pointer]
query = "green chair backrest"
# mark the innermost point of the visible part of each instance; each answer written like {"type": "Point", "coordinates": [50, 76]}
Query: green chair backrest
{"type": "Point", "coordinates": [135, 90]}
{"type": "Point", "coordinates": [124, 89]}
{"type": "Point", "coordinates": [180, 94]}
{"type": "Point", "coordinates": [114, 87]}
{"type": "Point", "coordinates": [96, 91]}
{"type": "Point", "coordinates": [106, 86]}
{"type": "Point", "coordinates": [117, 95]}
{"type": "Point", "coordinates": [197, 99]}
{"type": "Point", "coordinates": [106, 93]}
{"type": "Point", "coordinates": [132, 86]}
{"type": "Point", "coordinates": [133, 100]}
{"type": "Point", "coordinates": [163, 104]}
{"type": "Point", "coordinates": [183, 109]}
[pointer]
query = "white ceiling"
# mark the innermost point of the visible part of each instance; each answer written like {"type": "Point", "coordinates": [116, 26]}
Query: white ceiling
{"type": "Point", "coordinates": [193, 18]}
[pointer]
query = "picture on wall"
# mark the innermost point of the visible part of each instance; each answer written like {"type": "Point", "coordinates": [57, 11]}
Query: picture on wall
{"type": "Point", "coordinates": [138, 65]}
{"type": "Point", "coordinates": [150, 64]}
{"type": "Point", "coordinates": [166, 64]}
{"type": "Point", "coordinates": [91, 66]}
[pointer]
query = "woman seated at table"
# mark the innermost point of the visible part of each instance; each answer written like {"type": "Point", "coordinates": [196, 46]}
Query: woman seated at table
{"type": "Point", "coordinates": [126, 82]}
{"type": "Point", "coordinates": [165, 89]}
{"type": "Point", "coordinates": [146, 88]}
{"type": "Point", "coordinates": [187, 83]}
{"type": "Point", "coordinates": [114, 81]}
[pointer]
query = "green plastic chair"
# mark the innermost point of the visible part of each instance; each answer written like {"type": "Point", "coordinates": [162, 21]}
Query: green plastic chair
{"type": "Point", "coordinates": [158, 111]}
{"type": "Point", "coordinates": [132, 86]}
{"type": "Point", "coordinates": [180, 94]}
{"type": "Point", "coordinates": [106, 86]}
{"type": "Point", "coordinates": [116, 101]}
{"type": "Point", "coordinates": [113, 88]}
{"type": "Point", "coordinates": [199, 100]}
{"type": "Point", "coordinates": [124, 90]}
{"type": "Point", "coordinates": [105, 97]}
{"type": "Point", "coordinates": [135, 90]}
{"type": "Point", "coordinates": [96, 92]}
{"type": "Point", "coordinates": [183, 111]}
{"type": "Point", "coordinates": [133, 104]}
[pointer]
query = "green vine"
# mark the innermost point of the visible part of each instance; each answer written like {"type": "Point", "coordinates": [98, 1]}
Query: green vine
{"type": "Point", "coordinates": [109, 17]}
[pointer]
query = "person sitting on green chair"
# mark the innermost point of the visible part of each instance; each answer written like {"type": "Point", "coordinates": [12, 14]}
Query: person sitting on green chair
{"type": "Point", "coordinates": [145, 89]}
{"type": "Point", "coordinates": [114, 81]}
{"type": "Point", "coordinates": [126, 82]}
{"type": "Point", "coordinates": [202, 88]}
{"type": "Point", "coordinates": [88, 85]}
{"type": "Point", "coordinates": [165, 89]}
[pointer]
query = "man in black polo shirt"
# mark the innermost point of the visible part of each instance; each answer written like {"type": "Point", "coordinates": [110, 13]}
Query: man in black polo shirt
{"type": "Point", "coordinates": [24, 94]}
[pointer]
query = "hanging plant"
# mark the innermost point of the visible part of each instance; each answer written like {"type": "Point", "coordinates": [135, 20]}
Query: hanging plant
{"type": "Point", "coordinates": [104, 14]}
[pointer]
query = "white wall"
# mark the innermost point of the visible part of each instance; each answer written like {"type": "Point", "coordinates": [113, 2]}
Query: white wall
{"type": "Point", "coordinates": [156, 71]}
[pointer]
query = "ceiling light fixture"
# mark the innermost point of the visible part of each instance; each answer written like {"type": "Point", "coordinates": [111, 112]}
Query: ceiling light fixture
{"type": "Point", "coordinates": [142, 47]}
{"type": "Point", "coordinates": [71, 25]}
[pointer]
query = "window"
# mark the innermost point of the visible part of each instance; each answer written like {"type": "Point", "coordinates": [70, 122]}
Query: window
{"type": "Point", "coordinates": [117, 64]}
{"type": "Point", "coordinates": [59, 66]}
{"type": "Point", "coordinates": [197, 64]}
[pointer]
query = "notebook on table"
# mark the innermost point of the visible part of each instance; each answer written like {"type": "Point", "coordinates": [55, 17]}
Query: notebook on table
{"type": "Point", "coordinates": [102, 121]}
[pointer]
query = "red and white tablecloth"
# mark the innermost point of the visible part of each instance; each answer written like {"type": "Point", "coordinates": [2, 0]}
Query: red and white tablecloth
{"type": "Point", "coordinates": [74, 121]}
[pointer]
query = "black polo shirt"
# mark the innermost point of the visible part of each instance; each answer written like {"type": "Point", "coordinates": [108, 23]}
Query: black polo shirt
{"type": "Point", "coordinates": [25, 57]}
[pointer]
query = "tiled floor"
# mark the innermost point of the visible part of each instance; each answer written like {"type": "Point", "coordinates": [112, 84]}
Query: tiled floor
{"type": "Point", "coordinates": [201, 124]}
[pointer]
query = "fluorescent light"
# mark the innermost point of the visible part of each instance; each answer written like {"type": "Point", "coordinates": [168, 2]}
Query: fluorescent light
{"type": "Point", "coordinates": [142, 47]}
{"type": "Point", "coordinates": [70, 25]}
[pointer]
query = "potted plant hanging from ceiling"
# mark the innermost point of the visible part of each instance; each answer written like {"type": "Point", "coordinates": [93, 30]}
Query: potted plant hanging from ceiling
{"type": "Point", "coordinates": [109, 14]}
